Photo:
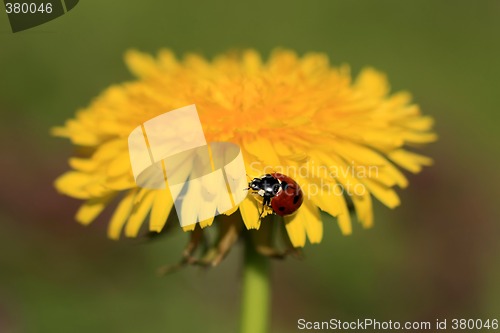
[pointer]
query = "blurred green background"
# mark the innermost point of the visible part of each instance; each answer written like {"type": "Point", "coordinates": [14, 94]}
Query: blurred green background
{"type": "Point", "coordinates": [436, 256]}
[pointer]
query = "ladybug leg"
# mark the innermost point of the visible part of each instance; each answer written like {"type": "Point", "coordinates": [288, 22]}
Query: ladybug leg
{"type": "Point", "coordinates": [265, 202]}
{"type": "Point", "coordinates": [261, 212]}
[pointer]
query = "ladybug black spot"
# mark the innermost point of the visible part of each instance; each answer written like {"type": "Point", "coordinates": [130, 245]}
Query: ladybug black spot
{"type": "Point", "coordinates": [295, 199]}
{"type": "Point", "coordinates": [281, 208]}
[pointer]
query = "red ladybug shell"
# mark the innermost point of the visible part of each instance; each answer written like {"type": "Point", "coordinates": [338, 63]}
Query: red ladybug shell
{"type": "Point", "coordinates": [289, 199]}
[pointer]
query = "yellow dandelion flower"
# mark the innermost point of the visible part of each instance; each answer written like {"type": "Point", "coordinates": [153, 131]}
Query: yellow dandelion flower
{"type": "Point", "coordinates": [343, 140]}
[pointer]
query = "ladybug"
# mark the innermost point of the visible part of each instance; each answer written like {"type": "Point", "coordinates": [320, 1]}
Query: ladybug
{"type": "Point", "coordinates": [279, 192]}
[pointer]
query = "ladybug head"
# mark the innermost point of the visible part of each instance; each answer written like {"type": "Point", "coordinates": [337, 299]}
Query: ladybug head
{"type": "Point", "coordinates": [268, 185]}
{"type": "Point", "coordinates": [255, 184]}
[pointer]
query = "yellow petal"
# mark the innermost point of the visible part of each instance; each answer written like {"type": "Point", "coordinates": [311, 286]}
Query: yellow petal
{"type": "Point", "coordinates": [73, 184]}
{"type": "Point", "coordinates": [262, 149]}
{"type": "Point", "coordinates": [311, 219]}
{"type": "Point", "coordinates": [252, 61]}
{"type": "Point", "coordinates": [109, 150]}
{"type": "Point", "coordinates": [92, 208]}
{"type": "Point", "coordinates": [372, 82]}
{"type": "Point", "coordinates": [320, 191]}
{"type": "Point", "coordinates": [207, 222]}
{"type": "Point", "coordinates": [384, 194]}
{"type": "Point", "coordinates": [337, 200]}
{"type": "Point", "coordinates": [167, 60]}
{"type": "Point", "coordinates": [381, 138]}
{"type": "Point", "coordinates": [420, 123]}
{"type": "Point", "coordinates": [121, 214]}
{"type": "Point", "coordinates": [324, 194]}
{"type": "Point", "coordinates": [210, 202]}
{"type": "Point", "coordinates": [189, 212]}
{"type": "Point", "coordinates": [296, 230]}
{"type": "Point", "coordinates": [83, 164]}
{"type": "Point", "coordinates": [96, 188]}
{"type": "Point", "coordinates": [419, 137]}
{"type": "Point", "coordinates": [364, 210]}
{"type": "Point", "coordinates": [343, 173]}
{"type": "Point", "coordinates": [162, 206]}
{"type": "Point", "coordinates": [315, 63]}
{"type": "Point", "coordinates": [141, 64]}
{"type": "Point", "coordinates": [410, 161]}
{"type": "Point", "coordinates": [120, 183]}
{"type": "Point", "coordinates": [283, 62]}
{"type": "Point", "coordinates": [327, 201]}
{"type": "Point", "coordinates": [196, 62]}
{"type": "Point", "coordinates": [189, 227]}
{"type": "Point", "coordinates": [344, 222]}
{"type": "Point", "coordinates": [250, 213]}
{"type": "Point", "coordinates": [139, 212]}
{"type": "Point", "coordinates": [285, 150]}
{"type": "Point", "coordinates": [231, 211]}
{"type": "Point", "coordinates": [369, 160]}
{"type": "Point", "coordinates": [120, 165]}
{"type": "Point", "coordinates": [77, 133]}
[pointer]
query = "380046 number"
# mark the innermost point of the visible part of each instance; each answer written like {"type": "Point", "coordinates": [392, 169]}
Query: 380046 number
{"type": "Point", "coordinates": [474, 324]}
{"type": "Point", "coordinates": [27, 8]}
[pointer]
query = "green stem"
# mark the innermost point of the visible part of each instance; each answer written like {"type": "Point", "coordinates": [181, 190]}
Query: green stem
{"type": "Point", "coordinates": [255, 298]}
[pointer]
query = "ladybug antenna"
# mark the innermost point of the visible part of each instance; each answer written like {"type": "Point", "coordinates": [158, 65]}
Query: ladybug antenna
{"type": "Point", "coordinates": [249, 180]}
